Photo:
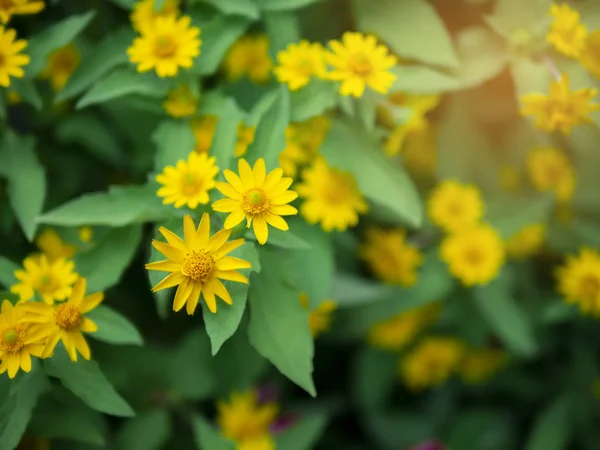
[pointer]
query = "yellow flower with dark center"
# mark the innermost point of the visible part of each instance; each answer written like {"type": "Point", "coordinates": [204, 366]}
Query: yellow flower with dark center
{"type": "Point", "coordinates": [298, 63]}
{"type": "Point", "coordinates": [567, 34]}
{"type": "Point", "coordinates": [549, 169]}
{"type": "Point", "coordinates": [390, 257]}
{"type": "Point", "coordinates": [478, 365]}
{"type": "Point", "coordinates": [249, 56]}
{"type": "Point", "coordinates": [197, 264]}
{"type": "Point", "coordinates": [9, 8]}
{"type": "Point", "coordinates": [165, 46]}
{"type": "Point", "coordinates": [579, 280]}
{"type": "Point", "coordinates": [11, 59]}
{"type": "Point", "coordinates": [181, 102]}
{"type": "Point", "coordinates": [264, 442]}
{"type": "Point", "coordinates": [358, 61]}
{"type": "Point", "coordinates": [454, 206]}
{"type": "Point", "coordinates": [245, 136]}
{"type": "Point", "coordinates": [51, 244]}
{"type": "Point", "coordinates": [331, 197]}
{"type": "Point", "coordinates": [66, 321]}
{"type": "Point", "coordinates": [256, 196]}
{"type": "Point", "coordinates": [319, 319]}
{"type": "Point", "coordinates": [188, 182]}
{"type": "Point", "coordinates": [52, 280]}
{"type": "Point", "coordinates": [86, 234]}
{"type": "Point", "coordinates": [61, 65]}
{"type": "Point", "coordinates": [204, 132]}
{"type": "Point", "coordinates": [510, 178]}
{"type": "Point", "coordinates": [526, 242]}
{"type": "Point", "coordinates": [144, 13]}
{"type": "Point", "coordinates": [302, 142]}
{"type": "Point", "coordinates": [590, 55]}
{"type": "Point", "coordinates": [561, 109]}
{"type": "Point", "coordinates": [474, 255]}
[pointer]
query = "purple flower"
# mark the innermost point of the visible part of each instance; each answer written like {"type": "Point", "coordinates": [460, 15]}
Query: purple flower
{"type": "Point", "coordinates": [282, 423]}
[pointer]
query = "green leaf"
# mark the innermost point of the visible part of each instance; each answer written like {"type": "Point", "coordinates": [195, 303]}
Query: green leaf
{"type": "Point", "coordinates": [481, 428]}
{"type": "Point", "coordinates": [314, 99]}
{"type": "Point", "coordinates": [246, 8]}
{"type": "Point", "coordinates": [26, 89]}
{"type": "Point", "coordinates": [113, 327]}
{"type": "Point", "coordinates": [304, 435]}
{"type": "Point", "coordinates": [207, 437]}
{"type": "Point", "coordinates": [278, 326]}
{"type": "Point", "coordinates": [281, 239]}
{"type": "Point", "coordinates": [283, 5]}
{"type": "Point", "coordinates": [225, 138]}
{"type": "Point", "coordinates": [7, 272]}
{"type": "Point", "coordinates": [399, 429]}
{"type": "Point", "coordinates": [283, 29]}
{"type": "Point", "coordinates": [553, 427]}
{"type": "Point", "coordinates": [508, 215]}
{"type": "Point", "coordinates": [513, 16]}
{"type": "Point", "coordinates": [416, 79]}
{"type": "Point", "coordinates": [147, 431]}
{"type": "Point", "coordinates": [374, 377]}
{"type": "Point", "coordinates": [174, 141]}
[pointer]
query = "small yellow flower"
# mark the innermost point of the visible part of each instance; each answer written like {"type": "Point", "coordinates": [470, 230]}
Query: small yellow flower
{"type": "Point", "coordinates": [51, 244]}
{"type": "Point", "coordinates": [165, 46]}
{"type": "Point", "coordinates": [249, 56]}
{"type": "Point", "coordinates": [478, 365]}
{"type": "Point", "coordinates": [331, 197]}
{"type": "Point", "coordinates": [474, 255]}
{"type": "Point", "coordinates": [299, 62]}
{"type": "Point", "coordinates": [302, 142]}
{"type": "Point", "coordinates": [454, 206]}
{"type": "Point", "coordinates": [590, 55]}
{"type": "Point", "coordinates": [188, 182]}
{"type": "Point", "coordinates": [390, 257]}
{"type": "Point", "coordinates": [181, 102]}
{"type": "Point", "coordinates": [197, 264]}
{"type": "Point", "coordinates": [9, 8]}
{"type": "Point", "coordinates": [510, 178]}
{"type": "Point", "coordinates": [319, 319]}
{"type": "Point", "coordinates": [264, 442]}
{"type": "Point", "coordinates": [53, 280]}
{"type": "Point", "coordinates": [66, 322]}
{"type": "Point", "coordinates": [61, 65]}
{"type": "Point", "coordinates": [526, 242]}
{"type": "Point", "coordinates": [256, 196]}
{"type": "Point", "coordinates": [245, 136]}
{"type": "Point", "coordinates": [400, 330]}
{"type": "Point", "coordinates": [86, 234]}
{"type": "Point", "coordinates": [549, 169]}
{"type": "Point", "coordinates": [204, 132]}
{"type": "Point", "coordinates": [144, 13]}
{"type": "Point", "coordinates": [11, 59]}
{"type": "Point", "coordinates": [18, 340]}
{"type": "Point", "coordinates": [561, 109]}
{"type": "Point", "coordinates": [567, 34]}
{"type": "Point", "coordinates": [358, 61]}
{"type": "Point", "coordinates": [579, 280]}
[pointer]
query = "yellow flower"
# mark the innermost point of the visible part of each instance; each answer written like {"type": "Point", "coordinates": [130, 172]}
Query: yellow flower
{"type": "Point", "coordinates": [299, 62]}
{"type": "Point", "coordinates": [331, 197]}
{"type": "Point", "coordinates": [359, 62]}
{"type": "Point", "coordinates": [165, 46]}
{"type": "Point", "coordinates": [264, 442]}
{"type": "Point", "coordinates": [18, 340]}
{"type": "Point", "coordinates": [527, 242]}
{"type": "Point", "coordinates": [86, 234]}
{"type": "Point", "coordinates": [579, 280]}
{"type": "Point", "coordinates": [454, 206]}
{"type": "Point", "coordinates": [474, 255]}
{"type": "Point", "coordinates": [197, 263]}
{"type": "Point", "coordinates": [66, 321]}
{"type": "Point", "coordinates": [431, 363]}
{"type": "Point", "coordinates": [478, 365]}
{"type": "Point", "coordinates": [181, 102]}
{"type": "Point", "coordinates": [9, 8]}
{"type": "Point", "coordinates": [249, 56]}
{"type": "Point", "coordinates": [510, 178]}
{"type": "Point", "coordinates": [256, 196]}
{"type": "Point", "coordinates": [390, 257]}
{"type": "Point", "coordinates": [61, 65]}
{"type": "Point", "coordinates": [204, 132]}
{"type": "Point", "coordinates": [144, 13]}
{"type": "Point", "coordinates": [50, 243]}
{"type": "Point", "coordinates": [396, 332]}
{"type": "Point", "coordinates": [245, 136]}
{"type": "Point", "coordinates": [560, 110]}
{"type": "Point", "coordinates": [302, 142]}
{"type": "Point", "coordinates": [567, 34]}
{"type": "Point", "coordinates": [549, 169]}
{"type": "Point", "coordinates": [11, 59]}
{"type": "Point", "coordinates": [188, 182]}
{"type": "Point", "coordinates": [243, 418]}
{"type": "Point", "coordinates": [53, 280]}
{"type": "Point", "coordinates": [319, 319]}
{"type": "Point", "coordinates": [590, 55]}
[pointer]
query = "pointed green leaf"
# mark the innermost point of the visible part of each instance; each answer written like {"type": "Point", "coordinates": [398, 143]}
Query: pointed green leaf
{"type": "Point", "coordinates": [554, 426]}
{"type": "Point", "coordinates": [26, 89]}
{"type": "Point", "coordinates": [245, 8]}
{"type": "Point", "coordinates": [374, 378]}
{"type": "Point", "coordinates": [7, 272]}
{"type": "Point", "coordinates": [174, 141]}
{"type": "Point", "coordinates": [113, 327]}
{"type": "Point", "coordinates": [312, 100]}
{"type": "Point", "coordinates": [149, 430]}
{"type": "Point", "coordinates": [304, 435]}
{"type": "Point", "coordinates": [417, 79]}
{"type": "Point", "coordinates": [207, 437]}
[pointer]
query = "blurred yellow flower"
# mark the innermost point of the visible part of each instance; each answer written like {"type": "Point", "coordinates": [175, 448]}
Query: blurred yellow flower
{"type": "Point", "coordinates": [398, 331]}
{"type": "Point", "coordinates": [197, 264]}
{"type": "Point", "coordinates": [264, 442]}
{"type": "Point", "coordinates": [302, 140]}
{"type": "Point", "coordinates": [144, 13]}
{"type": "Point", "coordinates": [567, 34]}
{"type": "Point", "coordinates": [11, 59]}
{"type": "Point", "coordinates": [51, 244]}
{"type": "Point", "coordinates": [478, 365]}
{"type": "Point", "coordinates": [590, 55]}
{"type": "Point", "coordinates": [319, 319]}
{"type": "Point", "coordinates": [579, 280]}
{"type": "Point", "coordinates": [454, 206]}
{"type": "Point", "coordinates": [526, 242]}
{"type": "Point", "coordinates": [61, 65]}
{"type": "Point", "coordinates": [245, 136]}
{"type": "Point", "coordinates": [86, 234]}
{"type": "Point", "coordinates": [549, 169]}
{"type": "Point", "coordinates": [249, 56]}
{"type": "Point", "coordinates": [181, 102]}
{"type": "Point", "coordinates": [256, 196]}
{"type": "Point", "coordinates": [299, 62]}
{"type": "Point", "coordinates": [204, 132]}
{"type": "Point", "coordinates": [358, 61]}
{"type": "Point", "coordinates": [510, 178]}
{"type": "Point", "coordinates": [9, 8]}
{"type": "Point", "coordinates": [243, 418]}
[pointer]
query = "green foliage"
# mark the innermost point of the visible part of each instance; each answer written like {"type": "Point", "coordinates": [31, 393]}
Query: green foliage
{"type": "Point", "coordinates": [114, 327]}
{"type": "Point", "coordinates": [207, 437]}
{"type": "Point", "coordinates": [147, 431]}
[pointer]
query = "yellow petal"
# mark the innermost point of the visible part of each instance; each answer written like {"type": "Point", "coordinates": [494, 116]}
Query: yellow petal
{"type": "Point", "coordinates": [217, 241]}
{"type": "Point", "coordinates": [226, 205]}
{"type": "Point", "coordinates": [164, 266]}
{"type": "Point", "coordinates": [234, 219]}
{"type": "Point", "coordinates": [222, 292]}
{"type": "Point", "coordinates": [232, 263]}
{"type": "Point", "coordinates": [261, 230]}
{"type": "Point", "coordinates": [13, 362]}
{"type": "Point", "coordinates": [88, 326]}
{"type": "Point", "coordinates": [25, 361]}
{"type": "Point", "coordinates": [172, 253]}
{"type": "Point", "coordinates": [233, 180]}
{"type": "Point", "coordinates": [91, 301]}
{"type": "Point", "coordinates": [228, 190]}
{"type": "Point", "coordinates": [245, 172]}
{"type": "Point", "coordinates": [277, 222]}
{"type": "Point", "coordinates": [259, 172]}
{"type": "Point", "coordinates": [51, 344]}
{"type": "Point", "coordinates": [192, 302]}
{"type": "Point", "coordinates": [229, 247]}
{"type": "Point", "coordinates": [80, 344]}
{"type": "Point", "coordinates": [183, 292]}
{"type": "Point", "coordinates": [172, 239]}
{"type": "Point", "coordinates": [189, 231]}
{"type": "Point", "coordinates": [70, 346]}
{"type": "Point", "coordinates": [169, 281]}
{"type": "Point", "coordinates": [209, 298]}
{"type": "Point", "coordinates": [78, 291]}
{"type": "Point", "coordinates": [203, 233]}
{"type": "Point", "coordinates": [231, 275]}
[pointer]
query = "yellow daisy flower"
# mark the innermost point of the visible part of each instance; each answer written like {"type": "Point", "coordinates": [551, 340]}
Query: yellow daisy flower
{"type": "Point", "coordinates": [18, 340]}
{"type": "Point", "coordinates": [549, 169]}
{"type": "Point", "coordinates": [53, 280]}
{"type": "Point", "coordinates": [567, 34]}
{"type": "Point", "coordinates": [66, 321]}
{"type": "Point", "coordinates": [144, 13]}
{"type": "Point", "coordinates": [256, 196]}
{"type": "Point", "coordinates": [9, 8]}
{"type": "Point", "coordinates": [245, 136]}
{"type": "Point", "coordinates": [562, 109]}
{"type": "Point", "coordinates": [510, 178]}
{"type": "Point", "coordinates": [478, 365]}
{"type": "Point", "coordinates": [244, 418]}
{"type": "Point", "coordinates": [249, 56]}
{"type": "Point", "coordinates": [390, 257]}
{"type": "Point", "coordinates": [61, 65]}
{"type": "Point", "coordinates": [51, 244]}
{"type": "Point", "coordinates": [264, 442]}
{"type": "Point", "coordinates": [204, 132]}
{"type": "Point", "coordinates": [526, 242]}
{"type": "Point", "coordinates": [302, 142]}
{"type": "Point", "coordinates": [579, 280]}
{"type": "Point", "coordinates": [188, 182]}
{"type": "Point", "coordinates": [319, 319]}
{"type": "Point", "coordinates": [11, 59]}
{"type": "Point", "coordinates": [395, 333]}
{"type": "Point", "coordinates": [197, 264]}
{"type": "Point", "coordinates": [165, 46]}
{"type": "Point", "coordinates": [331, 197]}
{"type": "Point", "coordinates": [359, 62]}
{"type": "Point", "coordinates": [86, 234]}
{"type": "Point", "coordinates": [590, 54]}
{"type": "Point", "coordinates": [299, 62]}
{"type": "Point", "coordinates": [181, 102]}
{"type": "Point", "coordinates": [454, 206]}
{"type": "Point", "coordinates": [474, 255]}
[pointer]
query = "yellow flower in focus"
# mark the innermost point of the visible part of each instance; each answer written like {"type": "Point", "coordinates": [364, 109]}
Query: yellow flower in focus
{"type": "Point", "coordinates": [51, 244]}
{"type": "Point", "coordinates": [144, 13]}
{"type": "Point", "coordinates": [398, 331]}
{"type": "Point", "coordinates": [567, 34]}
{"type": "Point", "coordinates": [510, 178]}
{"type": "Point", "coordinates": [18, 340]}
{"type": "Point", "coordinates": [11, 59]}
{"type": "Point", "coordinates": [358, 61]}
{"type": "Point", "coordinates": [561, 109]}
{"type": "Point", "coordinates": [331, 197]}
{"type": "Point", "coordinates": [299, 62]}
{"type": "Point", "coordinates": [431, 362]}
{"type": "Point", "coordinates": [549, 169]}
{"type": "Point", "coordinates": [249, 56]}
{"type": "Point", "coordinates": [86, 234]}
{"type": "Point", "coordinates": [319, 319]}
{"type": "Point", "coordinates": [390, 257]}
{"type": "Point", "coordinates": [590, 55]}
{"type": "Point", "coordinates": [188, 182]}
{"type": "Point", "coordinates": [204, 132]}
{"type": "Point", "coordinates": [474, 255]}
{"type": "Point", "coordinates": [264, 442]}
{"type": "Point", "coordinates": [53, 280]}
{"type": "Point", "coordinates": [454, 206]}
{"type": "Point", "coordinates": [527, 242]}
{"type": "Point", "coordinates": [245, 136]}
{"type": "Point", "coordinates": [9, 8]}
{"type": "Point", "coordinates": [479, 365]}
{"type": "Point", "coordinates": [303, 140]}
{"type": "Point", "coordinates": [579, 280]}
{"type": "Point", "coordinates": [197, 264]}
{"type": "Point", "coordinates": [256, 196]}
{"type": "Point", "coordinates": [165, 46]}
{"type": "Point", "coordinates": [181, 102]}
{"type": "Point", "coordinates": [243, 418]}
{"type": "Point", "coordinates": [61, 65]}
{"type": "Point", "coordinates": [66, 321]}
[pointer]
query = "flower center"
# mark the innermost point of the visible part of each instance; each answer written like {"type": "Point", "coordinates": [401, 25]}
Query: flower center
{"type": "Point", "coordinates": [255, 202]}
{"type": "Point", "coordinates": [589, 287]}
{"type": "Point", "coordinates": [198, 265]}
{"type": "Point", "coordinates": [165, 47]}
{"type": "Point", "coordinates": [191, 184]}
{"type": "Point", "coordinates": [6, 4]}
{"type": "Point", "coordinates": [473, 256]}
{"type": "Point", "coordinates": [360, 64]}
{"type": "Point", "coordinates": [336, 192]}
{"type": "Point", "coordinates": [455, 209]}
{"type": "Point", "coordinates": [47, 284]}
{"type": "Point", "coordinates": [67, 316]}
{"type": "Point", "coordinates": [13, 339]}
